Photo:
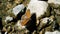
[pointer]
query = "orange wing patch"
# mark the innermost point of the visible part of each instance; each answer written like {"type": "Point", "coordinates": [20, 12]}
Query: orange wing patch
{"type": "Point", "coordinates": [26, 18]}
{"type": "Point", "coordinates": [28, 13]}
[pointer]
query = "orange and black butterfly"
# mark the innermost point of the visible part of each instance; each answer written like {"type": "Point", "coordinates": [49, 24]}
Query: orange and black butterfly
{"type": "Point", "coordinates": [25, 17]}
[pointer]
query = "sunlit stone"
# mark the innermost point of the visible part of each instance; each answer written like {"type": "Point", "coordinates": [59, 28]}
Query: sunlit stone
{"type": "Point", "coordinates": [17, 9]}
{"type": "Point", "coordinates": [54, 1]}
{"type": "Point", "coordinates": [38, 7]}
{"type": "Point", "coordinates": [55, 32]}
{"type": "Point", "coordinates": [8, 18]}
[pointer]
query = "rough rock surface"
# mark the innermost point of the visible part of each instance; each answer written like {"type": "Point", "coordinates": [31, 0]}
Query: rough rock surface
{"type": "Point", "coordinates": [6, 8]}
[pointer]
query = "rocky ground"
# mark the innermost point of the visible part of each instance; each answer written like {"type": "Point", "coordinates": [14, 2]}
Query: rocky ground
{"type": "Point", "coordinates": [6, 7]}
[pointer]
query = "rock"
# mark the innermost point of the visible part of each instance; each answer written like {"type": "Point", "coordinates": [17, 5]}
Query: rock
{"type": "Point", "coordinates": [19, 26]}
{"type": "Point", "coordinates": [17, 9]}
{"type": "Point", "coordinates": [38, 7]}
{"type": "Point", "coordinates": [55, 32]}
{"type": "Point", "coordinates": [54, 1]}
{"type": "Point", "coordinates": [46, 21]}
{"type": "Point", "coordinates": [8, 18]}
